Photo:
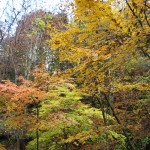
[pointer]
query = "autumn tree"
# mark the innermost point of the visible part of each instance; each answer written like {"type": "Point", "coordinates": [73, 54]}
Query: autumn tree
{"type": "Point", "coordinates": [108, 48]}
{"type": "Point", "coordinates": [11, 12]}
{"type": "Point", "coordinates": [26, 48]}
{"type": "Point", "coordinates": [67, 123]}
{"type": "Point", "coordinates": [104, 50]}
{"type": "Point", "coordinates": [17, 115]}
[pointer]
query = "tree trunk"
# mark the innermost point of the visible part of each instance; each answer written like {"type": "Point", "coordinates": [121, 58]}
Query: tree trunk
{"type": "Point", "coordinates": [18, 142]}
{"type": "Point", "coordinates": [37, 130]}
{"type": "Point", "coordinates": [131, 146]}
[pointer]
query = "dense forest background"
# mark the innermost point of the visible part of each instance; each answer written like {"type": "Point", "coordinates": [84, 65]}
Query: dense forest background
{"type": "Point", "coordinates": [77, 78]}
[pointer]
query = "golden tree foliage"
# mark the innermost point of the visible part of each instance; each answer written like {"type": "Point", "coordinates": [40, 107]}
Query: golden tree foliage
{"type": "Point", "coordinates": [102, 41]}
{"type": "Point", "coordinates": [107, 44]}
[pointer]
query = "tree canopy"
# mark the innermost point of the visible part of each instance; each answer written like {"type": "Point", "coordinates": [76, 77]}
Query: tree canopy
{"type": "Point", "coordinates": [84, 82]}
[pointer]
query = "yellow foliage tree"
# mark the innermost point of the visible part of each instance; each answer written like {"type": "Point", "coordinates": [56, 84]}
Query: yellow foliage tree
{"type": "Point", "coordinates": [108, 46]}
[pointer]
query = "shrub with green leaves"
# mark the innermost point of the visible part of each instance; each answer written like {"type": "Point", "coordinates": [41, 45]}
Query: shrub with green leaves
{"type": "Point", "coordinates": [67, 123]}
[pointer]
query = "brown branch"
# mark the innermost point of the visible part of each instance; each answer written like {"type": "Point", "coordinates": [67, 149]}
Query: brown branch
{"type": "Point", "coordinates": [145, 54]}
{"type": "Point", "coordinates": [140, 22]}
{"type": "Point", "coordinates": [10, 26]}
{"type": "Point", "coordinates": [145, 14]}
{"type": "Point", "coordinates": [119, 122]}
{"type": "Point", "coordinates": [146, 4]}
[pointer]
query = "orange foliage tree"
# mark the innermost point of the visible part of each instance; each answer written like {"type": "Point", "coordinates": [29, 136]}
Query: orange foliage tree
{"type": "Point", "coordinates": [18, 115]}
